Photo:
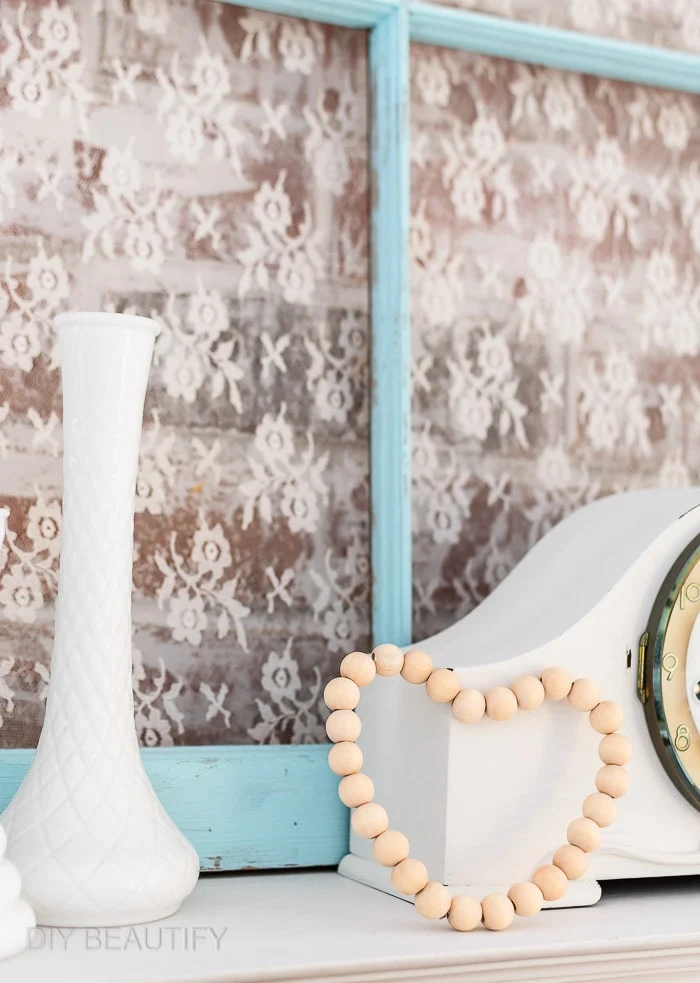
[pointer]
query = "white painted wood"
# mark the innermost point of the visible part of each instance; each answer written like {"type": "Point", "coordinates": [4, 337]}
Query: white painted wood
{"type": "Point", "coordinates": [483, 805]}
{"type": "Point", "coordinates": [322, 927]}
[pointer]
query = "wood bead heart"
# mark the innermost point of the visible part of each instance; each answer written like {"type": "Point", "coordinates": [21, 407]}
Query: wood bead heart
{"type": "Point", "coordinates": [468, 705]}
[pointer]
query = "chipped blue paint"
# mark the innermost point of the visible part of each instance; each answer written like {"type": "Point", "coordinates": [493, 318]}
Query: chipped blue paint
{"type": "Point", "coordinates": [241, 807]}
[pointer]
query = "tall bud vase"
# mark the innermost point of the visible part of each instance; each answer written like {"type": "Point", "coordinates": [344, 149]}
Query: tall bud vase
{"type": "Point", "coordinates": [85, 829]}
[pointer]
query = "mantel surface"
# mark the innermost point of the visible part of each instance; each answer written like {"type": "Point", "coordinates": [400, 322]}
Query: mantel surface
{"type": "Point", "coordinates": [319, 926]}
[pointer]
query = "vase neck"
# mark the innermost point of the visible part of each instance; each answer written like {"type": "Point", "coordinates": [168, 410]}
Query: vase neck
{"type": "Point", "coordinates": [105, 373]}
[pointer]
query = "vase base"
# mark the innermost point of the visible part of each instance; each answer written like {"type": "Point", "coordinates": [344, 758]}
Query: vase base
{"type": "Point", "coordinates": [106, 919]}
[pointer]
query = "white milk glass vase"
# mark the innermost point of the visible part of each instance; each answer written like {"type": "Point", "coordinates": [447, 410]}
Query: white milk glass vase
{"type": "Point", "coordinates": [90, 839]}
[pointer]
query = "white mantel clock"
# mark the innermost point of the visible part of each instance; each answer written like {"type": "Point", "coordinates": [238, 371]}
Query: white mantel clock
{"type": "Point", "coordinates": [612, 593]}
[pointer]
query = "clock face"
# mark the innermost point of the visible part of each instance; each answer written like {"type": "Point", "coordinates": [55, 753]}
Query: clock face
{"type": "Point", "coordinates": [669, 673]}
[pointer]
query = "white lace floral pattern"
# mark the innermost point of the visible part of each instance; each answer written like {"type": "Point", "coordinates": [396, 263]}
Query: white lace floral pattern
{"type": "Point", "coordinates": [556, 302]}
{"type": "Point", "coordinates": [205, 165]}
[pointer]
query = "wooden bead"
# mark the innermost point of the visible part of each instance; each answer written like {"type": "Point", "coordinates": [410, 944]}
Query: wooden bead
{"type": "Point", "coordinates": [369, 820]}
{"type": "Point", "coordinates": [614, 749]}
{"type": "Point", "coordinates": [551, 881]}
{"type": "Point", "coordinates": [572, 860]}
{"type": "Point", "coordinates": [501, 703]}
{"type": "Point", "coordinates": [464, 914]}
{"type": "Point", "coordinates": [390, 848]}
{"type": "Point", "coordinates": [497, 912]}
{"type": "Point", "coordinates": [341, 694]}
{"type": "Point", "coordinates": [613, 780]}
{"type": "Point", "coordinates": [359, 667]}
{"type": "Point", "coordinates": [433, 901]}
{"type": "Point", "coordinates": [410, 876]}
{"type": "Point", "coordinates": [527, 899]}
{"type": "Point", "coordinates": [417, 666]}
{"type": "Point", "coordinates": [343, 725]}
{"type": "Point", "coordinates": [529, 692]}
{"type": "Point", "coordinates": [584, 695]}
{"type": "Point", "coordinates": [585, 834]}
{"type": "Point", "coordinates": [388, 660]}
{"type": "Point", "coordinates": [356, 790]}
{"type": "Point", "coordinates": [601, 808]}
{"type": "Point", "coordinates": [606, 717]}
{"type": "Point", "coordinates": [469, 706]}
{"type": "Point", "coordinates": [557, 683]}
{"type": "Point", "coordinates": [442, 685]}
{"type": "Point", "coordinates": [345, 758]}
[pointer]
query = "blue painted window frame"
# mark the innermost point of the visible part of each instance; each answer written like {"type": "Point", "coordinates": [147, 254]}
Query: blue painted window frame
{"type": "Point", "coordinates": [266, 807]}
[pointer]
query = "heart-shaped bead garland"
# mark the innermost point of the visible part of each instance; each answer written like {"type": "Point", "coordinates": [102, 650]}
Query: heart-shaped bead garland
{"type": "Point", "coordinates": [391, 848]}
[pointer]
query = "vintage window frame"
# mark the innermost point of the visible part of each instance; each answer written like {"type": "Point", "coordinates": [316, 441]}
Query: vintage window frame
{"type": "Point", "coordinates": [265, 807]}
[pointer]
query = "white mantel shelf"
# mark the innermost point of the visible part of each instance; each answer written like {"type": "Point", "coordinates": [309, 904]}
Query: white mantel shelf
{"type": "Point", "coordinates": [318, 926]}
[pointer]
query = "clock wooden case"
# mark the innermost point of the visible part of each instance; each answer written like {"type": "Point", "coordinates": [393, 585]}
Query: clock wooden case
{"type": "Point", "coordinates": [611, 593]}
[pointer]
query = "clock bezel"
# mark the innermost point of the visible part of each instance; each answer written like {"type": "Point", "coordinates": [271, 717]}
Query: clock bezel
{"type": "Point", "coordinates": [654, 709]}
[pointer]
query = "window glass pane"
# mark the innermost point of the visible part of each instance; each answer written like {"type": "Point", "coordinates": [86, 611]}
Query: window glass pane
{"type": "Point", "coordinates": [206, 164]}
{"type": "Point", "coordinates": [556, 300]}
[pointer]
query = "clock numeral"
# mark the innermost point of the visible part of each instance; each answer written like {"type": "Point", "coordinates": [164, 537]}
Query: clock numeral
{"type": "Point", "coordinates": [669, 664]}
{"type": "Point", "coordinates": [690, 593]}
{"type": "Point", "coordinates": [682, 740]}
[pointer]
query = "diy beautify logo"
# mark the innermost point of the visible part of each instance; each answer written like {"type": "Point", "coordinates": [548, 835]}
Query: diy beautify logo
{"type": "Point", "coordinates": [129, 938]}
